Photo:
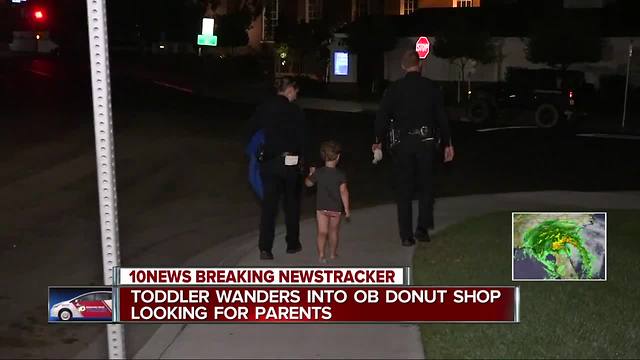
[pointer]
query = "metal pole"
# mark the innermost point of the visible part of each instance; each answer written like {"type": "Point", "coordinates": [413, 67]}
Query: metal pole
{"type": "Point", "coordinates": [105, 157]}
{"type": "Point", "coordinates": [626, 87]}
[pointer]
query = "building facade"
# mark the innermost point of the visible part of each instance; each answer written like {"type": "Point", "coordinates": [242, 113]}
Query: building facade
{"type": "Point", "coordinates": [336, 12]}
{"type": "Point", "coordinates": [343, 65]}
{"type": "Point", "coordinates": [513, 54]}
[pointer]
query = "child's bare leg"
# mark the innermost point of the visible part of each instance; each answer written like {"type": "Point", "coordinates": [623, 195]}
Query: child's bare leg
{"type": "Point", "coordinates": [323, 230]}
{"type": "Point", "coordinates": [334, 233]}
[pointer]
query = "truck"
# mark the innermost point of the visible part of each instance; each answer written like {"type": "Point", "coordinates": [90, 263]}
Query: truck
{"type": "Point", "coordinates": [549, 98]}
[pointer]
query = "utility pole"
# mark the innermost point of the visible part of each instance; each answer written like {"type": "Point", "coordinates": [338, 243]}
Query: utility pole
{"type": "Point", "coordinates": [626, 87]}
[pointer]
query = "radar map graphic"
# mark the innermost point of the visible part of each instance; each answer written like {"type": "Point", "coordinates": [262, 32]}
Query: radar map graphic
{"type": "Point", "coordinates": [559, 246]}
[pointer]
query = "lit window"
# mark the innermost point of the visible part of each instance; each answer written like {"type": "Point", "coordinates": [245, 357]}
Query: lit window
{"type": "Point", "coordinates": [409, 7]}
{"type": "Point", "coordinates": [464, 3]}
{"type": "Point", "coordinates": [270, 20]}
{"type": "Point", "coordinates": [341, 63]}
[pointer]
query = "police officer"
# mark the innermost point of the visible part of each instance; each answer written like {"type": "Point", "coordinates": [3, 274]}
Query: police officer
{"type": "Point", "coordinates": [283, 155]}
{"type": "Point", "coordinates": [416, 106]}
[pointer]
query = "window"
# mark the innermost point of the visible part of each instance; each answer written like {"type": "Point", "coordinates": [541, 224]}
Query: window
{"type": "Point", "coordinates": [362, 8]}
{"type": "Point", "coordinates": [464, 3]}
{"type": "Point", "coordinates": [88, 297]}
{"type": "Point", "coordinates": [270, 20]}
{"type": "Point", "coordinates": [340, 63]}
{"type": "Point", "coordinates": [103, 296]}
{"type": "Point", "coordinates": [313, 10]}
{"type": "Point", "coordinates": [409, 7]}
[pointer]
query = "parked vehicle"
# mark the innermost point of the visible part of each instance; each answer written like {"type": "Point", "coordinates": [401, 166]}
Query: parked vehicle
{"type": "Point", "coordinates": [552, 100]}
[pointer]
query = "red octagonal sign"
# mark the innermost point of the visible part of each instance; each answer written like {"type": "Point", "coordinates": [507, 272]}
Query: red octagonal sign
{"type": "Point", "coordinates": [422, 47]}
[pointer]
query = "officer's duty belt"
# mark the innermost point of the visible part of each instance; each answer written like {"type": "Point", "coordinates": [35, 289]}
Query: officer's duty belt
{"type": "Point", "coordinates": [423, 132]}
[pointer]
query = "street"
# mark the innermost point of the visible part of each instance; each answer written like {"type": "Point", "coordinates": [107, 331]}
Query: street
{"type": "Point", "coordinates": [182, 184]}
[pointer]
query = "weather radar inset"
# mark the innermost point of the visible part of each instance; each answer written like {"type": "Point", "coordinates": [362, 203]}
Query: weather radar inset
{"type": "Point", "coordinates": [559, 246]}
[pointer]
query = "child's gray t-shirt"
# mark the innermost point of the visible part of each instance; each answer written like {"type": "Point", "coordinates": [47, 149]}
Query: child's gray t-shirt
{"type": "Point", "coordinates": [329, 181]}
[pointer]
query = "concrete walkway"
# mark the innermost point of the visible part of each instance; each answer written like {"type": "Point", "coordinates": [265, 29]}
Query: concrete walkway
{"type": "Point", "coordinates": [370, 239]}
{"type": "Point", "coordinates": [256, 94]}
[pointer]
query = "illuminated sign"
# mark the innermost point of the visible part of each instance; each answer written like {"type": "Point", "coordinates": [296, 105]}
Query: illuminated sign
{"type": "Point", "coordinates": [207, 26]}
{"type": "Point", "coordinates": [341, 63]}
{"type": "Point", "coordinates": [423, 47]}
{"type": "Point", "coordinates": [208, 40]}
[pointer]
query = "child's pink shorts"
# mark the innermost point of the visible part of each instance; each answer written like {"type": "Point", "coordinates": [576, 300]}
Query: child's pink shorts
{"type": "Point", "coordinates": [330, 213]}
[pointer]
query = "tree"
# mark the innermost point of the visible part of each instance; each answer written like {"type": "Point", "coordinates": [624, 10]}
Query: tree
{"type": "Point", "coordinates": [304, 41]}
{"type": "Point", "coordinates": [232, 30]}
{"type": "Point", "coordinates": [560, 41]}
{"type": "Point", "coordinates": [252, 7]}
{"type": "Point", "coordinates": [370, 37]}
{"type": "Point", "coordinates": [462, 45]}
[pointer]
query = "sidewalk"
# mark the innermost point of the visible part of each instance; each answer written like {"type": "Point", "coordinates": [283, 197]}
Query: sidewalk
{"type": "Point", "coordinates": [254, 95]}
{"type": "Point", "coordinates": [370, 239]}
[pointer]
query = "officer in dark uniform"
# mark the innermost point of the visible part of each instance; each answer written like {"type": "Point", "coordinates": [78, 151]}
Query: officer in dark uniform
{"type": "Point", "coordinates": [416, 106]}
{"type": "Point", "coordinates": [283, 156]}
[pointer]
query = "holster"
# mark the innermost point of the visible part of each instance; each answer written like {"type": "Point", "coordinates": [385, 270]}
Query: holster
{"type": "Point", "coordinates": [393, 135]}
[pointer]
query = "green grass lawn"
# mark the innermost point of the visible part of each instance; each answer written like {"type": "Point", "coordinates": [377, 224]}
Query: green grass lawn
{"type": "Point", "coordinates": [557, 319]}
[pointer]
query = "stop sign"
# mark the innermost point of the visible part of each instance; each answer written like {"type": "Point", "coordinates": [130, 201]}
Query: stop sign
{"type": "Point", "coordinates": [422, 47]}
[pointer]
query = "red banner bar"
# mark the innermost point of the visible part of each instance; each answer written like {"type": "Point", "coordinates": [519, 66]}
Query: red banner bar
{"type": "Point", "coordinates": [318, 304]}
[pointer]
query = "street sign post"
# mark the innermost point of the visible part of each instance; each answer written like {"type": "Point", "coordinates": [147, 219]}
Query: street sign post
{"type": "Point", "coordinates": [423, 47]}
{"type": "Point", "coordinates": [471, 69]}
{"type": "Point", "coordinates": [105, 157]}
{"type": "Point", "coordinates": [207, 38]}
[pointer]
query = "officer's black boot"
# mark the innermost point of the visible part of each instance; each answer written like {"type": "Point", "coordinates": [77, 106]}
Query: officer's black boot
{"type": "Point", "coordinates": [422, 235]}
{"type": "Point", "coordinates": [266, 255]}
{"type": "Point", "coordinates": [408, 242]}
{"type": "Point", "coordinates": [294, 250]}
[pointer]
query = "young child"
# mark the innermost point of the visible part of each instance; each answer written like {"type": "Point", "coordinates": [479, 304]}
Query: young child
{"type": "Point", "coordinates": [332, 198]}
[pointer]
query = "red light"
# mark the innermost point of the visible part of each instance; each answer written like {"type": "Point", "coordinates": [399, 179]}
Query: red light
{"type": "Point", "coordinates": [570, 94]}
{"type": "Point", "coordinates": [38, 15]}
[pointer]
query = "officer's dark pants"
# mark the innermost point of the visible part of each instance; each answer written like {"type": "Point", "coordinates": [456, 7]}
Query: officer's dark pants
{"type": "Point", "coordinates": [278, 180]}
{"type": "Point", "coordinates": [413, 170]}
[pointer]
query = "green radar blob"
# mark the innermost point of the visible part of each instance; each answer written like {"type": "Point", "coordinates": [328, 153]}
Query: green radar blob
{"type": "Point", "coordinates": [557, 238]}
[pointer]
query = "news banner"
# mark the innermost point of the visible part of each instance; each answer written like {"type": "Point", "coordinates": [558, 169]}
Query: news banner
{"type": "Point", "coordinates": [279, 295]}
